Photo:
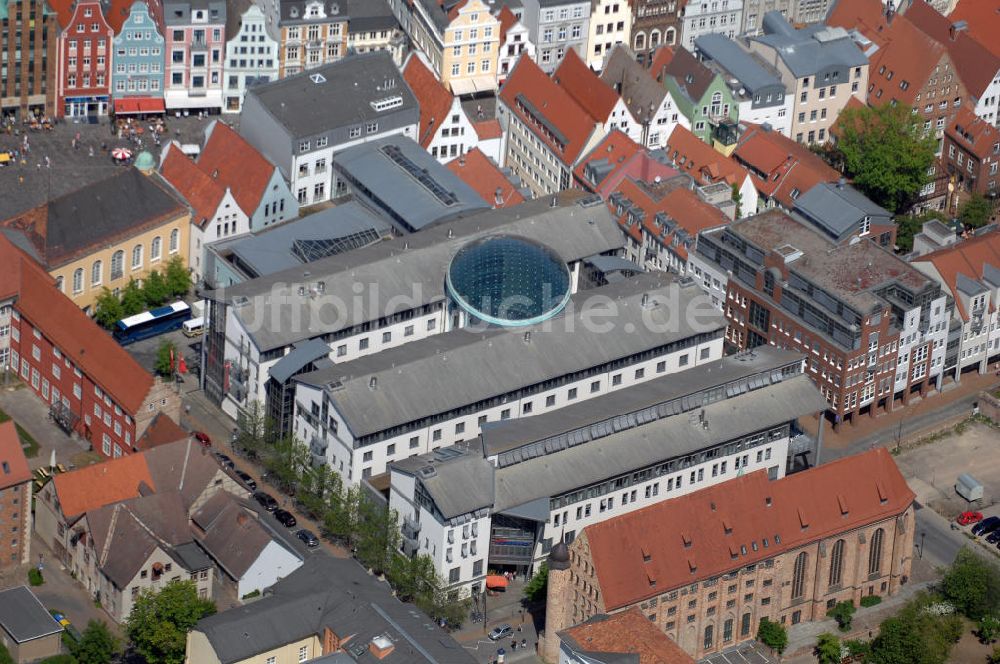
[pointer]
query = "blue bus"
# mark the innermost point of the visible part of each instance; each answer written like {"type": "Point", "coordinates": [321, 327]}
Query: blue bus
{"type": "Point", "coordinates": [151, 323]}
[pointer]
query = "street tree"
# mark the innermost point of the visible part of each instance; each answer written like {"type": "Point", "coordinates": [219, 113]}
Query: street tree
{"type": "Point", "coordinates": [342, 515]}
{"type": "Point", "coordinates": [154, 289]}
{"type": "Point", "coordinates": [318, 487]}
{"type": "Point", "coordinates": [886, 153]}
{"type": "Point", "coordinates": [828, 649]}
{"type": "Point", "coordinates": [975, 212]}
{"type": "Point", "coordinates": [537, 586]}
{"type": "Point", "coordinates": [108, 308]}
{"type": "Point", "coordinates": [988, 628]}
{"type": "Point", "coordinates": [177, 277]}
{"type": "Point", "coordinates": [133, 301]}
{"type": "Point", "coordinates": [916, 635]}
{"type": "Point", "coordinates": [285, 461]}
{"type": "Point", "coordinates": [97, 645]}
{"type": "Point", "coordinates": [377, 533]}
{"type": "Point", "coordinates": [772, 635]}
{"type": "Point", "coordinates": [972, 585]}
{"type": "Point", "coordinates": [166, 357]}
{"type": "Point", "coordinates": [159, 622]}
{"type": "Point", "coordinates": [252, 429]}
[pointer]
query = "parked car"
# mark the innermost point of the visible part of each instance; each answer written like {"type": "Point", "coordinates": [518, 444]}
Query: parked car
{"type": "Point", "coordinates": [266, 500]}
{"type": "Point", "coordinates": [247, 481]}
{"type": "Point", "coordinates": [968, 518]}
{"type": "Point", "coordinates": [285, 518]}
{"type": "Point", "coordinates": [993, 537]}
{"type": "Point", "coordinates": [308, 538]}
{"type": "Point", "coordinates": [986, 526]}
{"type": "Point", "coordinates": [500, 632]}
{"type": "Point", "coordinates": [202, 438]}
{"type": "Point", "coordinates": [224, 460]}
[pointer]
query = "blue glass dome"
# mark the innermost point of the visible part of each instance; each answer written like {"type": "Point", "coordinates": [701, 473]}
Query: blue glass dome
{"type": "Point", "coordinates": [508, 281]}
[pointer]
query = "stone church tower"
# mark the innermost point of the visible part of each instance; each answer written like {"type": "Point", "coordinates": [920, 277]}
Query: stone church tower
{"type": "Point", "coordinates": [558, 611]}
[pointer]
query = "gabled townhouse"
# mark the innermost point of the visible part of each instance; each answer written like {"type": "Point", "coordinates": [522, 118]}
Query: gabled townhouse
{"type": "Point", "coordinates": [547, 131]}
{"type": "Point", "coordinates": [610, 25]}
{"type": "Point", "coordinates": [978, 68]}
{"type": "Point", "coordinates": [515, 40]}
{"type": "Point", "coordinates": [93, 387]}
{"type": "Point", "coordinates": [744, 550]}
{"type": "Point", "coordinates": [615, 158]}
{"type": "Point", "coordinates": [702, 17]}
{"type": "Point", "coordinates": [970, 272]}
{"type": "Point", "coordinates": [251, 52]}
{"type": "Point", "coordinates": [782, 169]}
{"type": "Point", "coordinates": [700, 94]}
{"type": "Point", "coordinates": [876, 327]}
{"type": "Point", "coordinates": [487, 179]}
{"type": "Point", "coordinates": [971, 154]}
{"type": "Point", "coordinates": [460, 38]}
{"type": "Point", "coordinates": [196, 48]}
{"type": "Point", "coordinates": [309, 33]}
{"type": "Point", "coordinates": [624, 634]}
{"type": "Point", "coordinates": [445, 130]}
{"type": "Point", "coordinates": [655, 23]}
{"type": "Point", "coordinates": [230, 188]}
{"type": "Point", "coordinates": [756, 85]}
{"type": "Point", "coordinates": [528, 484]}
{"type": "Point", "coordinates": [650, 104]}
{"type": "Point", "coordinates": [298, 122]}
{"type": "Point", "coordinates": [595, 96]}
{"type": "Point", "coordinates": [15, 497]}
{"type": "Point", "coordinates": [557, 27]}
{"type": "Point", "coordinates": [690, 155]}
{"type": "Point", "coordinates": [104, 234]}
{"type": "Point", "coordinates": [138, 81]}
{"type": "Point", "coordinates": [821, 67]}
{"type": "Point", "coordinates": [373, 27]}
{"type": "Point", "coordinates": [83, 74]}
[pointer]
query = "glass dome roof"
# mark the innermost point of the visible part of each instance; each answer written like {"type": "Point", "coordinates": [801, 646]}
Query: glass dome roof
{"type": "Point", "coordinates": [508, 281]}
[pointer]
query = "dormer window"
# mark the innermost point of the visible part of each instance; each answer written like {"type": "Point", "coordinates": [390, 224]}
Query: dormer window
{"type": "Point", "coordinates": [866, 225]}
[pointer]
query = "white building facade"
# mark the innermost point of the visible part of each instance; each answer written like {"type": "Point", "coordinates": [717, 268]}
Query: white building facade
{"type": "Point", "coordinates": [251, 58]}
{"type": "Point", "coordinates": [610, 25]}
{"type": "Point", "coordinates": [702, 17]}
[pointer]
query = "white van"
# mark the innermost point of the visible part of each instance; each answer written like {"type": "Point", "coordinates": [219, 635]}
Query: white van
{"type": "Point", "coordinates": [194, 327]}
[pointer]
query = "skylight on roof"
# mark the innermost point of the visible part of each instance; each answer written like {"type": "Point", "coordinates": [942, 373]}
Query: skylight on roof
{"type": "Point", "coordinates": [317, 78]}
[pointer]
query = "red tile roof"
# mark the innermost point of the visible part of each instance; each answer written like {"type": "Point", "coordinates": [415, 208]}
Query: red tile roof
{"type": "Point", "coordinates": [554, 105]}
{"type": "Point", "coordinates": [79, 338]}
{"type": "Point", "coordinates": [909, 57]}
{"type": "Point", "coordinates": [162, 430]}
{"type": "Point", "coordinates": [486, 178]}
{"type": "Point", "coordinates": [488, 129]}
{"type": "Point", "coordinates": [661, 60]}
{"type": "Point", "coordinates": [628, 632]}
{"type": "Point", "coordinates": [983, 21]}
{"type": "Point", "coordinates": [966, 257]}
{"type": "Point", "coordinates": [117, 12]}
{"type": "Point", "coordinates": [235, 164]}
{"type": "Point", "coordinates": [617, 148]}
{"type": "Point", "coordinates": [595, 96]}
{"type": "Point", "coordinates": [13, 464]}
{"type": "Point", "coordinates": [975, 63]}
{"type": "Point", "coordinates": [698, 159]}
{"type": "Point", "coordinates": [686, 538]}
{"type": "Point", "coordinates": [973, 133]}
{"type": "Point", "coordinates": [103, 483]}
{"type": "Point", "coordinates": [201, 192]}
{"type": "Point", "coordinates": [867, 16]}
{"type": "Point", "coordinates": [507, 21]}
{"type": "Point", "coordinates": [780, 166]}
{"type": "Point", "coordinates": [434, 99]}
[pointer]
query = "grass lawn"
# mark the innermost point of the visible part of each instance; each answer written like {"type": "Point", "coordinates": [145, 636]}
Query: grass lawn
{"type": "Point", "coordinates": [28, 443]}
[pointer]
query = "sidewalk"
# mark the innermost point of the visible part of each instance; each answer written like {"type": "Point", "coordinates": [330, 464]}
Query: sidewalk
{"type": "Point", "coordinates": [27, 410]}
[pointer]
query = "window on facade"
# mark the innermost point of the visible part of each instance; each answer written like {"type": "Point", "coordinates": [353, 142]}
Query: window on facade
{"type": "Point", "coordinates": [96, 270]}
{"type": "Point", "coordinates": [875, 552]}
{"type": "Point", "coordinates": [837, 562]}
{"type": "Point", "coordinates": [78, 280]}
{"type": "Point", "coordinates": [155, 248]}
{"type": "Point", "coordinates": [175, 240]}
{"type": "Point", "coordinates": [799, 575]}
{"type": "Point", "coordinates": [136, 256]}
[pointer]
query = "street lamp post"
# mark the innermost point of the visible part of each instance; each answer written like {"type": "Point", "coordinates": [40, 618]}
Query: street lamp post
{"type": "Point", "coordinates": [923, 534]}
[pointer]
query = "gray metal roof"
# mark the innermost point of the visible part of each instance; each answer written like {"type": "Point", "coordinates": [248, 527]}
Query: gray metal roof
{"type": "Point", "coordinates": [467, 366]}
{"type": "Point", "coordinates": [633, 82]}
{"type": "Point", "coordinates": [991, 274]}
{"type": "Point", "coordinates": [644, 446]}
{"type": "Point", "coordinates": [343, 99]}
{"type": "Point", "coordinates": [340, 228]}
{"type": "Point", "coordinates": [303, 354]}
{"type": "Point", "coordinates": [812, 49]}
{"type": "Point", "coordinates": [458, 478]}
{"type": "Point", "coordinates": [339, 594]}
{"type": "Point", "coordinates": [507, 435]}
{"type": "Point", "coordinates": [613, 263]}
{"type": "Point", "coordinates": [748, 70]}
{"type": "Point", "coordinates": [412, 268]}
{"type": "Point", "coordinates": [403, 179]}
{"type": "Point", "coordinates": [969, 286]}
{"type": "Point", "coordinates": [837, 209]}
{"type": "Point", "coordinates": [23, 616]}
{"type": "Point", "coordinates": [370, 15]}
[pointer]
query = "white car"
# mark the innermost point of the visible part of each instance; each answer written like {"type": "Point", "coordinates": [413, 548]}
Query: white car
{"type": "Point", "coordinates": [500, 632]}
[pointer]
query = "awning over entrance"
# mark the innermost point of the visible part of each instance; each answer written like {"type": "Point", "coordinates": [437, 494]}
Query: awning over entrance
{"type": "Point", "coordinates": [468, 86]}
{"type": "Point", "coordinates": [496, 581]}
{"type": "Point", "coordinates": [139, 105]}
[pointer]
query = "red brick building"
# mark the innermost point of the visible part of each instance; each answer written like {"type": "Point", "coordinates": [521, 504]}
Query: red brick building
{"type": "Point", "coordinates": [83, 73]}
{"type": "Point", "coordinates": [707, 567]}
{"type": "Point", "coordinates": [94, 388]}
{"type": "Point", "coordinates": [15, 500]}
{"type": "Point", "coordinates": [971, 154]}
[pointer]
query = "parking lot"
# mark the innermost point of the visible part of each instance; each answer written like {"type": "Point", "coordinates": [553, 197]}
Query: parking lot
{"type": "Point", "coordinates": [145, 351]}
{"type": "Point", "coordinates": [748, 653]}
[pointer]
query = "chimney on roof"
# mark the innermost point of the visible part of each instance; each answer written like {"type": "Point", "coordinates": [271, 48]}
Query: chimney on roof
{"type": "Point", "coordinates": [957, 27]}
{"type": "Point", "coordinates": [527, 337]}
{"type": "Point", "coordinates": [766, 126]}
{"type": "Point", "coordinates": [461, 160]}
{"type": "Point", "coordinates": [498, 197]}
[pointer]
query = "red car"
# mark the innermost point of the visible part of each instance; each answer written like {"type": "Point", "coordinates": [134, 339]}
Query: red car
{"type": "Point", "coordinates": [968, 518]}
{"type": "Point", "coordinates": [202, 438]}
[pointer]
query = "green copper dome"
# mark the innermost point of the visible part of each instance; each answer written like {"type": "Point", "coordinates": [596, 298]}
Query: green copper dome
{"type": "Point", "coordinates": [145, 162]}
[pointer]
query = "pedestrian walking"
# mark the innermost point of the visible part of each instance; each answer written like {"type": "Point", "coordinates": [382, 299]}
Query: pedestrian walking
{"type": "Point", "coordinates": [48, 162]}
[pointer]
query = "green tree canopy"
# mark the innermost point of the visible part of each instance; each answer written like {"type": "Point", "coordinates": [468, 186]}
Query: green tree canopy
{"type": "Point", "coordinates": [162, 366]}
{"type": "Point", "coordinates": [177, 276]}
{"type": "Point", "coordinates": [133, 301]}
{"type": "Point", "coordinates": [976, 211]}
{"type": "Point", "coordinates": [772, 635]}
{"type": "Point", "coordinates": [915, 636]}
{"type": "Point", "coordinates": [886, 153]}
{"type": "Point", "coordinates": [828, 649]}
{"type": "Point", "coordinates": [972, 585]}
{"type": "Point", "coordinates": [160, 621]}
{"type": "Point", "coordinates": [97, 645]}
{"type": "Point", "coordinates": [108, 309]}
{"type": "Point", "coordinates": [154, 289]}
{"type": "Point", "coordinates": [285, 460]}
{"type": "Point", "coordinates": [377, 534]}
{"type": "Point", "coordinates": [537, 586]}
